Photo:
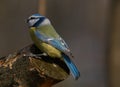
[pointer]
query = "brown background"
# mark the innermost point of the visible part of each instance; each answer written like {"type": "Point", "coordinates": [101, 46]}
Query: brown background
{"type": "Point", "coordinates": [91, 27]}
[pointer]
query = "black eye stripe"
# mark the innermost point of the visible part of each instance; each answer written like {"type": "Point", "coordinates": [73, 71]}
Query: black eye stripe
{"type": "Point", "coordinates": [33, 18]}
{"type": "Point", "coordinates": [39, 22]}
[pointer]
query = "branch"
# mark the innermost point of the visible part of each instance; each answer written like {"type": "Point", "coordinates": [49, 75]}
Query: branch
{"type": "Point", "coordinates": [29, 67]}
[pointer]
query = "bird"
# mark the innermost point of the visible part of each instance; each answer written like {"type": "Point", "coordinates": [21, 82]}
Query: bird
{"type": "Point", "coordinates": [45, 37]}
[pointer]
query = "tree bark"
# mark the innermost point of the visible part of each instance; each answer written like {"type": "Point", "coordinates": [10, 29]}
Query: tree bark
{"type": "Point", "coordinates": [29, 67]}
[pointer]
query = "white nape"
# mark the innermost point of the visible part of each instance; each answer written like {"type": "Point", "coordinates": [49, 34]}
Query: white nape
{"type": "Point", "coordinates": [45, 22]}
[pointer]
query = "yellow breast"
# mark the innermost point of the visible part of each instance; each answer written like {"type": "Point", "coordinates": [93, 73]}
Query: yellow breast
{"type": "Point", "coordinates": [50, 50]}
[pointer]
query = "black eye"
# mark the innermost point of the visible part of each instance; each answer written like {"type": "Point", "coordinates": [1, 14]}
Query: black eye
{"type": "Point", "coordinates": [32, 18]}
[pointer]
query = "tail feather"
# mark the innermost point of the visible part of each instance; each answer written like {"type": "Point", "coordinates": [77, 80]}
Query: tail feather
{"type": "Point", "coordinates": [74, 71]}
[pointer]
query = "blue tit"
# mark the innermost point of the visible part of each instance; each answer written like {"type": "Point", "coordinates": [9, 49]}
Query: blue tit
{"type": "Point", "coordinates": [48, 41]}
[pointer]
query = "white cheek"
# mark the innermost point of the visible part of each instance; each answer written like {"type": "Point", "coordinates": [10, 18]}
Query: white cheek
{"type": "Point", "coordinates": [32, 22]}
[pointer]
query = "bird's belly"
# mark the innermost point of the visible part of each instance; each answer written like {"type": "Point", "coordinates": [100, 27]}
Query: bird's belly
{"type": "Point", "coordinates": [50, 50]}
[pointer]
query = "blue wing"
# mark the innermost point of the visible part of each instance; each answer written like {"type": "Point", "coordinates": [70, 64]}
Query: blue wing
{"type": "Point", "coordinates": [58, 43]}
{"type": "Point", "coordinates": [62, 46]}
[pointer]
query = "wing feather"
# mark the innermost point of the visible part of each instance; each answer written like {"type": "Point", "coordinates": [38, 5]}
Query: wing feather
{"type": "Point", "coordinates": [58, 43]}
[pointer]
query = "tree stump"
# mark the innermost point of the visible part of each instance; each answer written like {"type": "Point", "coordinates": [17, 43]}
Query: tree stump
{"type": "Point", "coordinates": [29, 67]}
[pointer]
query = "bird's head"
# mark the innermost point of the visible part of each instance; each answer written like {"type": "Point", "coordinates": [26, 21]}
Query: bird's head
{"type": "Point", "coordinates": [36, 20]}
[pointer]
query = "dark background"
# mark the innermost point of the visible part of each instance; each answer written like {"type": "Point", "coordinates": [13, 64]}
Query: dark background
{"type": "Point", "coordinates": [90, 27]}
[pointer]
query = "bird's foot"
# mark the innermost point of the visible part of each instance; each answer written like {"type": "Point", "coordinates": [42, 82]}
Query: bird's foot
{"type": "Point", "coordinates": [35, 55]}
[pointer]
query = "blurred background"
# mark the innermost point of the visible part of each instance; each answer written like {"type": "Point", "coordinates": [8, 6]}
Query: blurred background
{"type": "Point", "coordinates": [91, 27]}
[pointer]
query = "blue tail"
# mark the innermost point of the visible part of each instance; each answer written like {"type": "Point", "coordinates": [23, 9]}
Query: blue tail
{"type": "Point", "coordinates": [75, 72]}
